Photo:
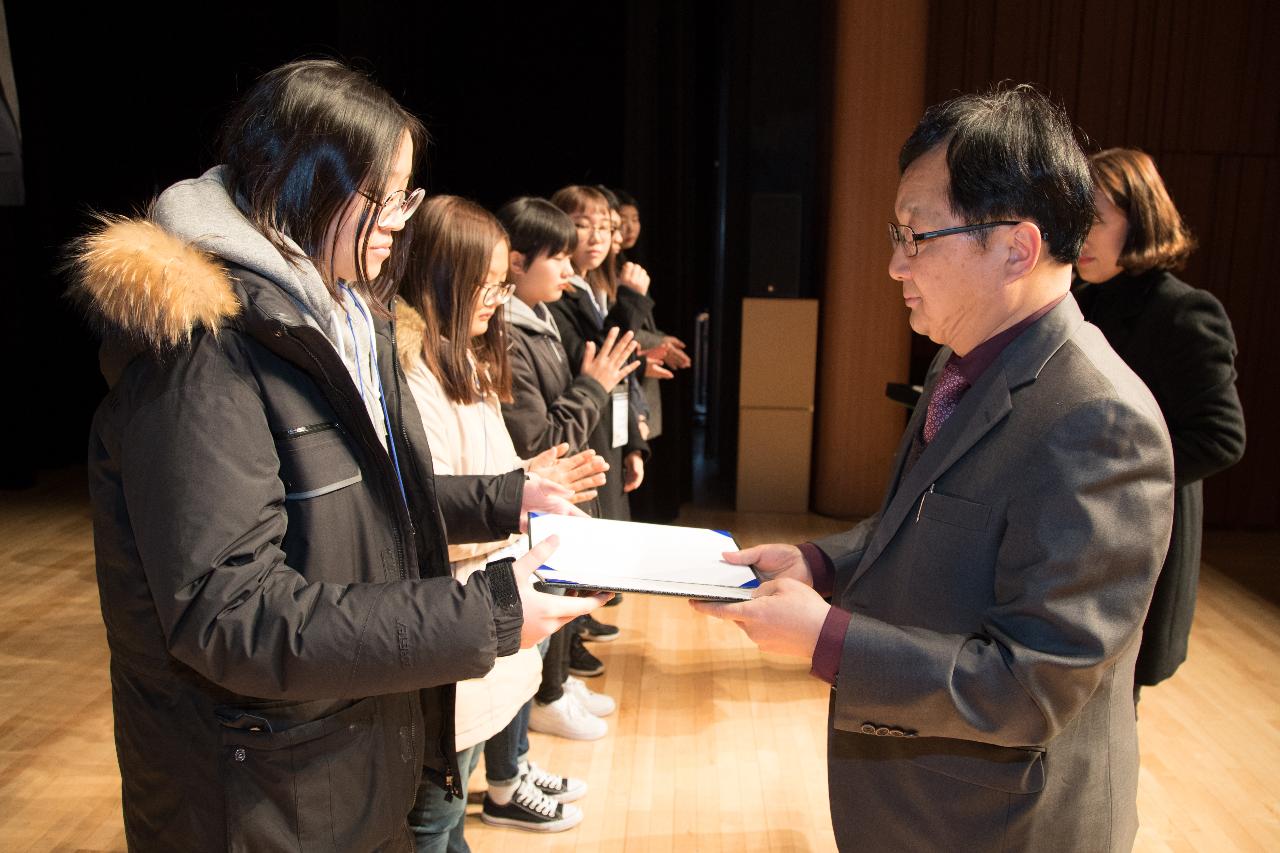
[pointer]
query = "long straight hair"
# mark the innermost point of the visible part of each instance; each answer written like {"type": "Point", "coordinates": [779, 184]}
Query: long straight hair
{"type": "Point", "coordinates": [452, 246]}
{"type": "Point", "coordinates": [298, 148]}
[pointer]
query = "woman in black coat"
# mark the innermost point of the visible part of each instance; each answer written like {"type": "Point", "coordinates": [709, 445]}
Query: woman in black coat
{"type": "Point", "coordinates": [1178, 339]}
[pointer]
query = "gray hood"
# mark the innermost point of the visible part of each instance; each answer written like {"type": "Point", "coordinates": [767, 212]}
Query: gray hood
{"type": "Point", "coordinates": [202, 212]}
{"type": "Point", "coordinates": [537, 320]}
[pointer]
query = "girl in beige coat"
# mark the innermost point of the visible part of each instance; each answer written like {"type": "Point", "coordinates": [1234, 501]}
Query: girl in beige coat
{"type": "Point", "coordinates": [453, 346]}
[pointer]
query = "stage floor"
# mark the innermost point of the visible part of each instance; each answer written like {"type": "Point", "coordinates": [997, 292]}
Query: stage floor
{"type": "Point", "coordinates": [715, 745]}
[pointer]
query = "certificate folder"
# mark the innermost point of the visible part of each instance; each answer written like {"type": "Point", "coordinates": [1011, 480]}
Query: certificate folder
{"type": "Point", "coordinates": [627, 556]}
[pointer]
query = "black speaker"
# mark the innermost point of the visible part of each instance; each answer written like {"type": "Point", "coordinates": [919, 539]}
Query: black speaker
{"type": "Point", "coordinates": [773, 257]}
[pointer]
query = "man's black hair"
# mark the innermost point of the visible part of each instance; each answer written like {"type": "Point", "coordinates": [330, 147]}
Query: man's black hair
{"type": "Point", "coordinates": [1011, 154]}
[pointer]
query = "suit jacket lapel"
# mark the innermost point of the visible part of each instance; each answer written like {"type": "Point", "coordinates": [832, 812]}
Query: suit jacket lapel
{"type": "Point", "coordinates": [978, 411]}
{"type": "Point", "coordinates": [984, 406]}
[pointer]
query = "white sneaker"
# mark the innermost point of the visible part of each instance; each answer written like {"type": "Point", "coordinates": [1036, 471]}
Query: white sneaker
{"type": "Point", "coordinates": [567, 718]}
{"type": "Point", "coordinates": [599, 704]}
{"type": "Point", "coordinates": [562, 789]}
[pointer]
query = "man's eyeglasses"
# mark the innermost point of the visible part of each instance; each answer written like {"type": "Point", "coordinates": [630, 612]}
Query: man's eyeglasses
{"type": "Point", "coordinates": [396, 208]}
{"type": "Point", "coordinates": [902, 235]}
{"type": "Point", "coordinates": [493, 295]}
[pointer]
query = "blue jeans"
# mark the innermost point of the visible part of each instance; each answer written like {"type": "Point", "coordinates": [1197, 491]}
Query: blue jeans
{"type": "Point", "coordinates": [437, 820]}
{"type": "Point", "coordinates": [504, 751]}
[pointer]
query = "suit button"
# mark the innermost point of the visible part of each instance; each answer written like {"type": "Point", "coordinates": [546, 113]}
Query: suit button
{"type": "Point", "coordinates": [868, 729]}
{"type": "Point", "coordinates": [897, 733]}
{"type": "Point", "coordinates": [882, 731]}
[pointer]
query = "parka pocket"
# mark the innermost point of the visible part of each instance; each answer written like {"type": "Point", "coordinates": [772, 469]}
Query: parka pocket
{"type": "Point", "coordinates": [315, 461]}
{"type": "Point", "coordinates": [330, 784]}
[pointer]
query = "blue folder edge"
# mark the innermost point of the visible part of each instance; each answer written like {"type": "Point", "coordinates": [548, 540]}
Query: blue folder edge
{"type": "Point", "coordinates": [751, 584]}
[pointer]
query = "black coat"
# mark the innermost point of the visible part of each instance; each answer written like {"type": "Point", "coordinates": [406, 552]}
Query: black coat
{"type": "Point", "coordinates": [1179, 341]}
{"type": "Point", "coordinates": [633, 312]}
{"type": "Point", "coordinates": [549, 405]}
{"type": "Point", "coordinates": [578, 323]}
{"type": "Point", "coordinates": [283, 626]}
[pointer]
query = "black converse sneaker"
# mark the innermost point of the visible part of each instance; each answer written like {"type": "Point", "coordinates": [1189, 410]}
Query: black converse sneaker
{"type": "Point", "coordinates": [562, 789]}
{"type": "Point", "coordinates": [581, 661]}
{"type": "Point", "coordinates": [590, 628]}
{"type": "Point", "coordinates": [532, 810]}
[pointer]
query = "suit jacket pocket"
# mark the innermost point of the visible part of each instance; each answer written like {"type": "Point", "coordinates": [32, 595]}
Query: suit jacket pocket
{"type": "Point", "coordinates": [954, 511]}
{"type": "Point", "coordinates": [1012, 770]}
{"type": "Point", "coordinates": [327, 784]}
{"type": "Point", "coordinates": [316, 462]}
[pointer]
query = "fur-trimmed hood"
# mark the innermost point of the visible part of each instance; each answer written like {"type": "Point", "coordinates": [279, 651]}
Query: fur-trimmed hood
{"type": "Point", "coordinates": [411, 331]}
{"type": "Point", "coordinates": [155, 281]}
{"type": "Point", "coordinates": [158, 279]}
{"type": "Point", "coordinates": [138, 278]}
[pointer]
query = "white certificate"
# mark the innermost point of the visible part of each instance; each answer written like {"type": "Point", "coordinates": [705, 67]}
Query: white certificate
{"type": "Point", "coordinates": [628, 556]}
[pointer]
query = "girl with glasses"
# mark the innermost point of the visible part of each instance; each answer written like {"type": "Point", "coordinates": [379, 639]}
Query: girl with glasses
{"type": "Point", "coordinates": [454, 343]}
{"type": "Point", "coordinates": [271, 557]}
{"type": "Point", "coordinates": [580, 317]}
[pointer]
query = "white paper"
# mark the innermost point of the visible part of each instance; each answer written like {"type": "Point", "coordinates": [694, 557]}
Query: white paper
{"type": "Point", "coordinates": [601, 551]}
{"type": "Point", "coordinates": [621, 414]}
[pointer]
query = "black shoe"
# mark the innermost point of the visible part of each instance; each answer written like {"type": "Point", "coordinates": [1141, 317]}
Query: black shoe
{"type": "Point", "coordinates": [591, 629]}
{"type": "Point", "coordinates": [581, 661]}
{"type": "Point", "coordinates": [531, 809]}
{"type": "Point", "coordinates": [615, 601]}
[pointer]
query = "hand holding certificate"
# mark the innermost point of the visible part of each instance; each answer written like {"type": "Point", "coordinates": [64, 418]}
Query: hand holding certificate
{"type": "Point", "coordinates": [625, 556]}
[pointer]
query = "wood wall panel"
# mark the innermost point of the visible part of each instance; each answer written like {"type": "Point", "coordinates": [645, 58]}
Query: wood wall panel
{"type": "Point", "coordinates": [878, 94]}
{"type": "Point", "coordinates": [1197, 85]}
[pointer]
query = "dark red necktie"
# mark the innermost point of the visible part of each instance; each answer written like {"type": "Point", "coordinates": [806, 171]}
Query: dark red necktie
{"type": "Point", "coordinates": [946, 394]}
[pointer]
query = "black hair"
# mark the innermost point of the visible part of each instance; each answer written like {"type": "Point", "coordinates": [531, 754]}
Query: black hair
{"type": "Point", "coordinates": [609, 196]}
{"type": "Point", "coordinates": [537, 227]}
{"type": "Point", "coordinates": [1011, 154]}
{"type": "Point", "coordinates": [305, 139]}
{"type": "Point", "coordinates": [625, 199]}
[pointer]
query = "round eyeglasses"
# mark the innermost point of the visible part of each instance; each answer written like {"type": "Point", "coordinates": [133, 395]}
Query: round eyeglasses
{"type": "Point", "coordinates": [902, 235]}
{"type": "Point", "coordinates": [493, 295]}
{"type": "Point", "coordinates": [395, 209]}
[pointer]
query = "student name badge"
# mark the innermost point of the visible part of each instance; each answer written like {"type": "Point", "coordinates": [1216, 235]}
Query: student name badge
{"type": "Point", "coordinates": [620, 415]}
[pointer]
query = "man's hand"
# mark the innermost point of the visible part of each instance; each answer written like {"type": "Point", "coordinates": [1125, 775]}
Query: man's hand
{"type": "Point", "coordinates": [632, 471]}
{"type": "Point", "coordinates": [544, 614]}
{"type": "Point", "coordinates": [542, 495]}
{"type": "Point", "coordinates": [774, 561]}
{"type": "Point", "coordinates": [784, 617]}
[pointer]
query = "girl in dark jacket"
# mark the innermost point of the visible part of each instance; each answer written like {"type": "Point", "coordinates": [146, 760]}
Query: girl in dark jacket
{"type": "Point", "coordinates": [1178, 339]}
{"type": "Point", "coordinates": [549, 405]}
{"type": "Point", "coordinates": [270, 539]}
{"type": "Point", "coordinates": [579, 315]}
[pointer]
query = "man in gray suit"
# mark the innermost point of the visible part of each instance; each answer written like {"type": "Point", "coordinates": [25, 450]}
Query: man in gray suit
{"type": "Point", "coordinates": [984, 624]}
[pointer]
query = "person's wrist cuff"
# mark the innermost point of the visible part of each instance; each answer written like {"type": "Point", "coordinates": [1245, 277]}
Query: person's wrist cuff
{"type": "Point", "coordinates": [826, 655]}
{"type": "Point", "coordinates": [508, 612]}
{"type": "Point", "coordinates": [821, 568]}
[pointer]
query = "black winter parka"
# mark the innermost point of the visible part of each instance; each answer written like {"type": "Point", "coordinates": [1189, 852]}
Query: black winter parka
{"type": "Point", "coordinates": [283, 627]}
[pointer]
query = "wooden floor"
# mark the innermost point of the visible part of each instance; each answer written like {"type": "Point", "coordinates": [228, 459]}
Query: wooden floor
{"type": "Point", "coordinates": [716, 746]}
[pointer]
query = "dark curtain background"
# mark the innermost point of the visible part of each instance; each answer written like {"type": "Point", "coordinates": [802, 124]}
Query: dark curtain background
{"type": "Point", "coordinates": [519, 98]}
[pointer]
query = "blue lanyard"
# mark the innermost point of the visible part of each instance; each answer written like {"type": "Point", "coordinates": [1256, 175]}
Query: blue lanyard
{"type": "Point", "coordinates": [377, 375]}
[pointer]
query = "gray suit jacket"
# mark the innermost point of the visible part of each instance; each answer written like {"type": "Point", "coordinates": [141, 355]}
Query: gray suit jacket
{"type": "Point", "coordinates": [984, 700]}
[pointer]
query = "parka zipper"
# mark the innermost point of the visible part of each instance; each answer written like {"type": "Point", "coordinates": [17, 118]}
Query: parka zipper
{"type": "Point", "coordinates": [310, 429]}
{"type": "Point", "coordinates": [396, 501]}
